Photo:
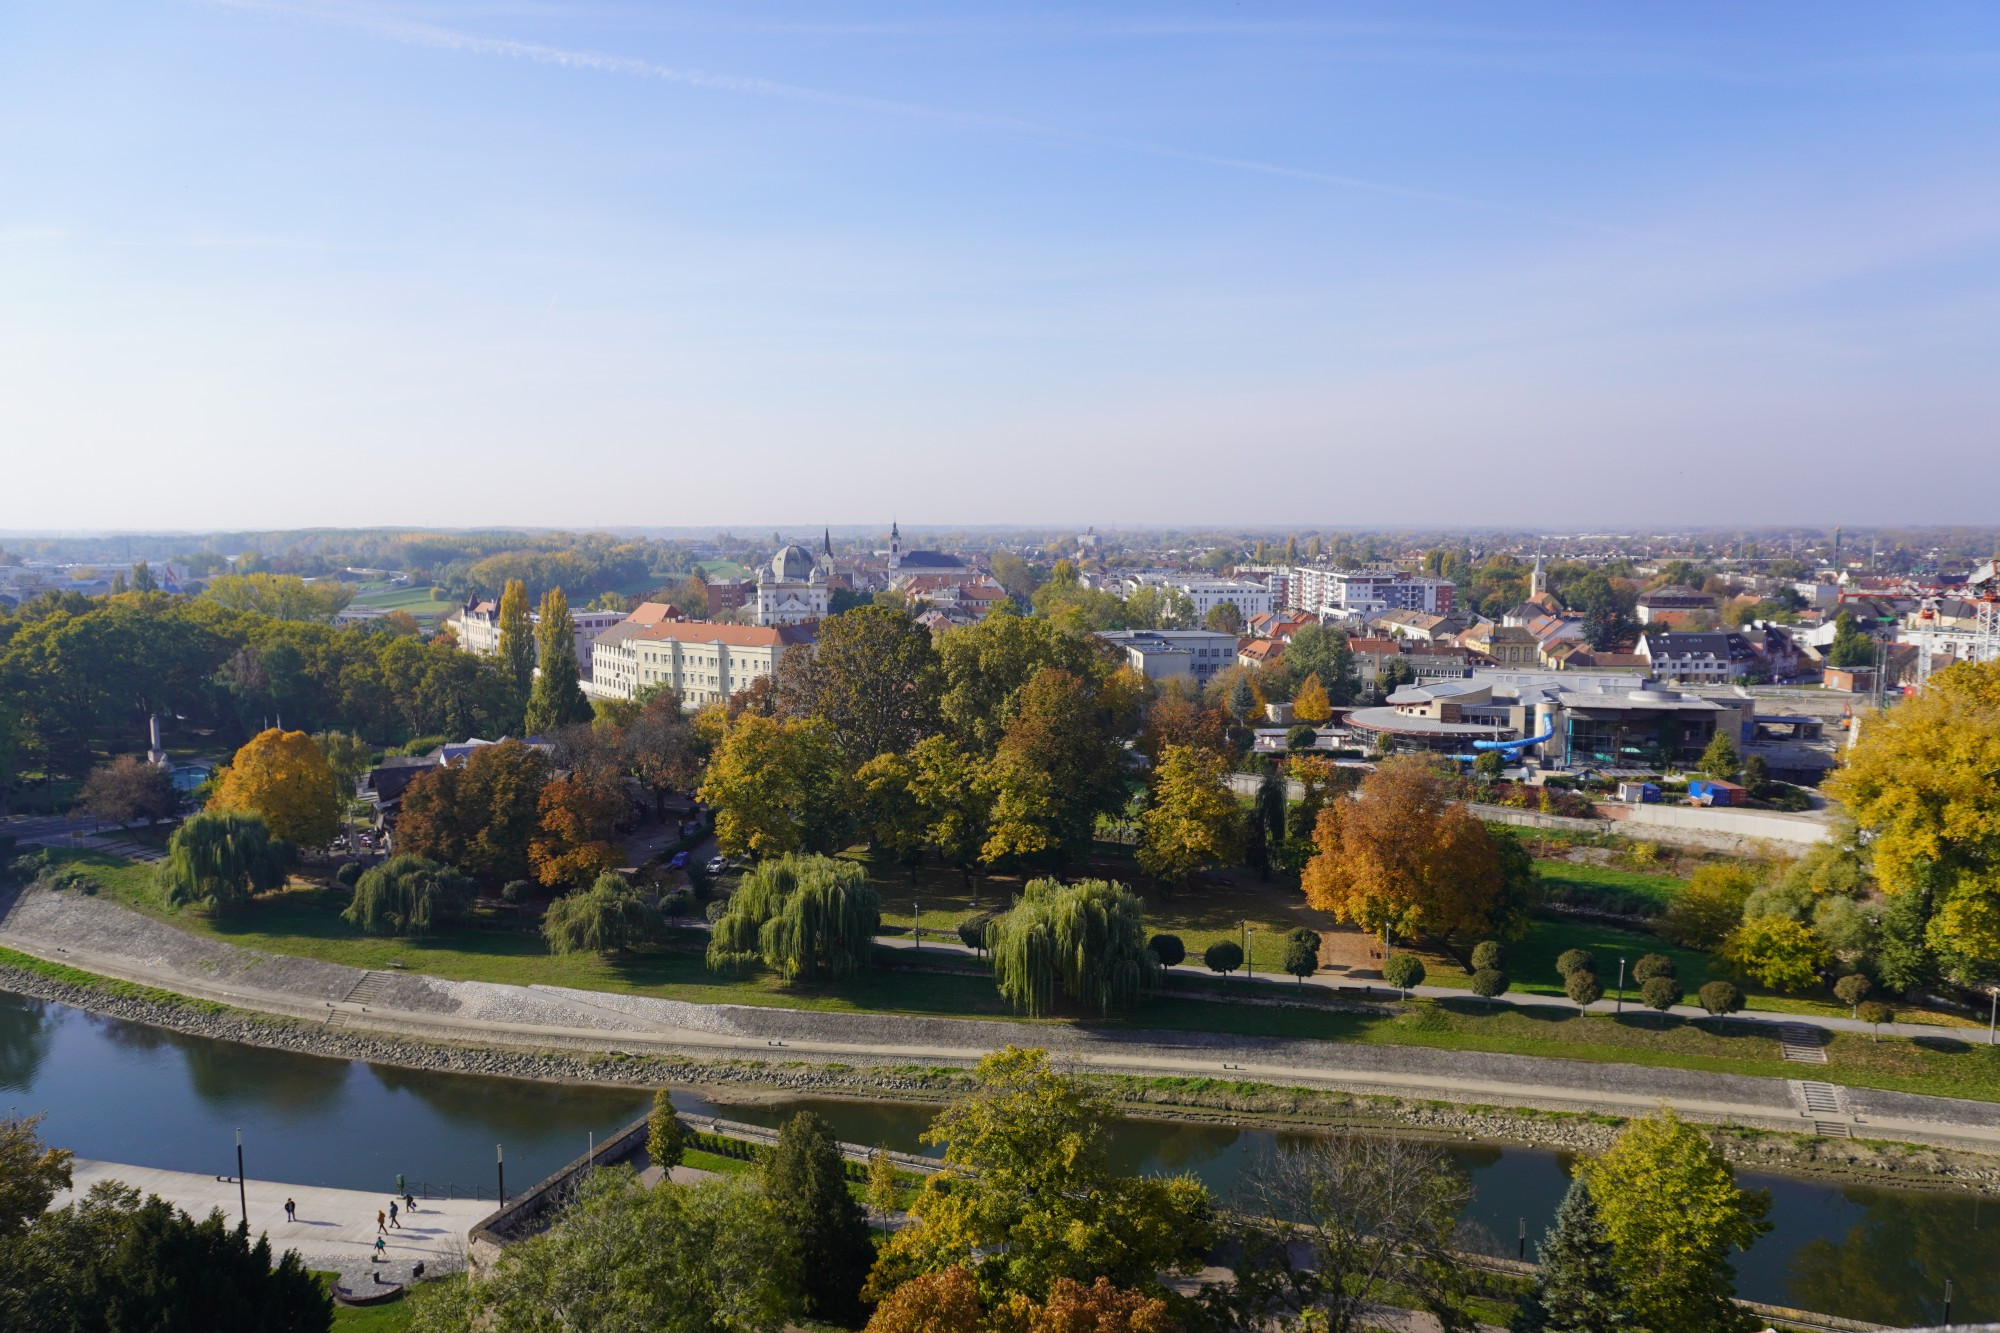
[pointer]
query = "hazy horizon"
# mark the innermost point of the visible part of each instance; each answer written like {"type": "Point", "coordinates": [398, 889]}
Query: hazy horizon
{"type": "Point", "coordinates": [271, 265]}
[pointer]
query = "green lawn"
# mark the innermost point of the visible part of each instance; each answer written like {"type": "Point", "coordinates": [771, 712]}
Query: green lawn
{"type": "Point", "coordinates": [417, 601]}
{"type": "Point", "coordinates": [391, 1318]}
{"type": "Point", "coordinates": [1585, 878]}
{"type": "Point", "coordinates": [721, 569]}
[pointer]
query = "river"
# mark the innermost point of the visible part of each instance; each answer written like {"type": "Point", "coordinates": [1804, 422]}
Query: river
{"type": "Point", "coordinates": [126, 1092]}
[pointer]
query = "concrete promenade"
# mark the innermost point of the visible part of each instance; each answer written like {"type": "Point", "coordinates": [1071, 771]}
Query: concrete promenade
{"type": "Point", "coordinates": [335, 1228]}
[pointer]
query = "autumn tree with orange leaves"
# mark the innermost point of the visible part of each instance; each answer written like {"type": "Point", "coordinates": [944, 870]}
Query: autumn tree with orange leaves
{"type": "Point", "coordinates": [574, 844]}
{"type": "Point", "coordinates": [1407, 858]}
{"type": "Point", "coordinates": [283, 776]}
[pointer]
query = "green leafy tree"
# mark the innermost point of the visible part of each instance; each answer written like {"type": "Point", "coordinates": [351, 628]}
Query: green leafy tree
{"type": "Point", "coordinates": [1720, 760]}
{"type": "Point", "coordinates": [608, 917]}
{"type": "Point", "coordinates": [806, 1182]}
{"type": "Point", "coordinates": [1572, 961]}
{"type": "Point", "coordinates": [986, 665]}
{"type": "Point", "coordinates": [1302, 953]}
{"type": "Point", "coordinates": [708, 1258]}
{"type": "Point", "coordinates": [1028, 1194]}
{"type": "Point", "coordinates": [1779, 952]}
{"type": "Point", "coordinates": [1490, 983]}
{"type": "Point", "coordinates": [885, 1187]}
{"type": "Point", "coordinates": [1322, 654]}
{"type": "Point", "coordinates": [31, 1174]}
{"type": "Point", "coordinates": [1874, 1013]}
{"type": "Point", "coordinates": [218, 858]}
{"type": "Point", "coordinates": [1577, 1285]}
{"type": "Point", "coordinates": [408, 895]}
{"type": "Point", "coordinates": [1057, 768]}
{"type": "Point", "coordinates": [1404, 971]}
{"type": "Point", "coordinates": [1583, 988]}
{"type": "Point", "coordinates": [1703, 914]}
{"type": "Point", "coordinates": [1720, 998]}
{"type": "Point", "coordinates": [872, 677]}
{"type": "Point", "coordinates": [1084, 943]}
{"type": "Point", "coordinates": [1653, 965]}
{"type": "Point", "coordinates": [1852, 646]}
{"type": "Point", "coordinates": [1224, 618]}
{"type": "Point", "coordinates": [776, 785]}
{"type": "Point", "coordinates": [1168, 949]}
{"type": "Point", "coordinates": [556, 699]}
{"type": "Point", "coordinates": [1223, 956]}
{"type": "Point", "coordinates": [666, 1136]}
{"type": "Point", "coordinates": [1660, 992]}
{"type": "Point", "coordinates": [808, 918]}
{"type": "Point", "coordinates": [1851, 990]}
{"type": "Point", "coordinates": [1192, 823]}
{"type": "Point", "coordinates": [517, 639]}
{"type": "Point", "coordinates": [1242, 699]}
{"type": "Point", "coordinates": [142, 578]}
{"type": "Point", "coordinates": [1672, 1212]}
{"type": "Point", "coordinates": [1488, 954]}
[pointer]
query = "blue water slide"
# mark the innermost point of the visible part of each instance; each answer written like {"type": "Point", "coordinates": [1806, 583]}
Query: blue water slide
{"type": "Point", "coordinates": [1521, 744]}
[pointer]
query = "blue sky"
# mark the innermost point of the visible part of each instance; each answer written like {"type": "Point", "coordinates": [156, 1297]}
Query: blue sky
{"type": "Point", "coordinates": [601, 263]}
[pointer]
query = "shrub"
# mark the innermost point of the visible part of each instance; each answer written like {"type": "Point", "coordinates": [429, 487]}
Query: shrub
{"type": "Point", "coordinates": [1488, 956]}
{"type": "Point", "coordinates": [1642, 854]}
{"type": "Point", "coordinates": [1490, 983]}
{"type": "Point", "coordinates": [972, 931]}
{"type": "Point", "coordinates": [716, 910]}
{"type": "Point", "coordinates": [1223, 956]}
{"type": "Point", "coordinates": [1851, 990]}
{"type": "Point", "coordinates": [1720, 998]}
{"type": "Point", "coordinates": [1301, 737]}
{"type": "Point", "coordinates": [1572, 961]}
{"type": "Point", "coordinates": [422, 745]}
{"type": "Point", "coordinates": [348, 874]}
{"type": "Point", "coordinates": [1660, 992]}
{"type": "Point", "coordinates": [1583, 987]}
{"type": "Point", "coordinates": [1168, 949]}
{"type": "Point", "coordinates": [408, 895]}
{"type": "Point", "coordinates": [1654, 965]}
{"type": "Point", "coordinates": [518, 891]}
{"type": "Point", "coordinates": [1404, 971]}
{"type": "Point", "coordinates": [674, 903]}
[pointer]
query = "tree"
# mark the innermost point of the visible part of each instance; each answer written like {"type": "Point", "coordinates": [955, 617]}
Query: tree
{"type": "Point", "coordinates": [888, 813]}
{"type": "Point", "coordinates": [1654, 965]}
{"type": "Point", "coordinates": [1919, 783]}
{"type": "Point", "coordinates": [608, 917]}
{"type": "Point", "coordinates": [808, 918]}
{"type": "Point", "coordinates": [1223, 956]}
{"type": "Point", "coordinates": [517, 639]}
{"type": "Point", "coordinates": [1489, 765]}
{"type": "Point", "coordinates": [283, 776]}
{"type": "Point", "coordinates": [1168, 949]}
{"type": "Point", "coordinates": [806, 1183]}
{"type": "Point", "coordinates": [946, 1301]}
{"type": "Point", "coordinates": [1779, 952]}
{"type": "Point", "coordinates": [142, 578]}
{"type": "Point", "coordinates": [1571, 961]}
{"type": "Point", "coordinates": [113, 1261]}
{"type": "Point", "coordinates": [1100, 1307]}
{"type": "Point", "coordinates": [1719, 760]}
{"type": "Point", "coordinates": [573, 842]}
{"type": "Point", "coordinates": [986, 665]}
{"type": "Point", "coordinates": [1364, 1214]}
{"type": "Point", "coordinates": [1852, 646]}
{"type": "Point", "coordinates": [1323, 654]}
{"type": "Point", "coordinates": [555, 699]}
{"type": "Point", "coordinates": [1028, 1194]}
{"type": "Point", "coordinates": [218, 858]}
{"type": "Point", "coordinates": [1404, 971]}
{"type": "Point", "coordinates": [1661, 992]}
{"type": "Point", "coordinates": [1179, 717]}
{"type": "Point", "coordinates": [280, 596]}
{"type": "Point", "coordinates": [707, 1258]}
{"type": "Point", "coordinates": [666, 1136]}
{"type": "Point", "coordinates": [1083, 942]}
{"type": "Point", "coordinates": [658, 744]}
{"type": "Point", "coordinates": [408, 895]}
{"type": "Point", "coordinates": [479, 814]}
{"type": "Point", "coordinates": [873, 677]}
{"type": "Point", "coordinates": [1224, 618]}
{"type": "Point", "coordinates": [1874, 1013]}
{"type": "Point", "coordinates": [1490, 983]}
{"type": "Point", "coordinates": [1488, 954]}
{"type": "Point", "coordinates": [885, 1187]}
{"type": "Point", "coordinates": [1851, 990]}
{"type": "Point", "coordinates": [1406, 857]}
{"type": "Point", "coordinates": [1310, 704]}
{"type": "Point", "coordinates": [1057, 768]}
{"type": "Point", "coordinates": [1242, 698]}
{"type": "Point", "coordinates": [956, 808]}
{"type": "Point", "coordinates": [1192, 823]}
{"type": "Point", "coordinates": [1720, 998]}
{"type": "Point", "coordinates": [129, 789]}
{"type": "Point", "coordinates": [1302, 953]}
{"type": "Point", "coordinates": [1672, 1212]}
{"type": "Point", "coordinates": [776, 786]}
{"type": "Point", "coordinates": [1702, 915]}
{"type": "Point", "coordinates": [1577, 1286]}
{"type": "Point", "coordinates": [1583, 988]}
{"type": "Point", "coordinates": [1756, 776]}
{"type": "Point", "coordinates": [31, 1174]}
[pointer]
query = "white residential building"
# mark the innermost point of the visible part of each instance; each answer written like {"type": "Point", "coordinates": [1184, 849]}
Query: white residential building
{"type": "Point", "coordinates": [477, 626]}
{"type": "Point", "coordinates": [1253, 597]}
{"type": "Point", "coordinates": [1350, 593]}
{"type": "Point", "coordinates": [1174, 654]}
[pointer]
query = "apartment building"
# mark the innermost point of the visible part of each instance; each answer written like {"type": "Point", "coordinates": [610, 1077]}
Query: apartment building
{"type": "Point", "coordinates": [1369, 591]}
{"type": "Point", "coordinates": [703, 661]}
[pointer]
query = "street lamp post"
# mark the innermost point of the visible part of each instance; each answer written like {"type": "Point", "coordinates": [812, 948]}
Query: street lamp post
{"type": "Point", "coordinates": [1249, 968]}
{"type": "Point", "coordinates": [917, 921]}
{"type": "Point", "coordinates": [500, 1165]}
{"type": "Point", "coordinates": [1619, 1008]}
{"type": "Point", "coordinates": [1993, 1018]}
{"type": "Point", "coordinates": [242, 1190]}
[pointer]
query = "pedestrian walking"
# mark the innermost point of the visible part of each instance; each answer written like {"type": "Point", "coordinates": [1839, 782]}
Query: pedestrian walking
{"type": "Point", "coordinates": [380, 1256]}
{"type": "Point", "coordinates": [392, 1216]}
{"type": "Point", "coordinates": [381, 1223]}
{"type": "Point", "coordinates": [291, 1211]}
{"type": "Point", "coordinates": [409, 1203]}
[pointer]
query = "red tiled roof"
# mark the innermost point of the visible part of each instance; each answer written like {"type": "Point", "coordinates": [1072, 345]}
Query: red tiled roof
{"type": "Point", "coordinates": [734, 636]}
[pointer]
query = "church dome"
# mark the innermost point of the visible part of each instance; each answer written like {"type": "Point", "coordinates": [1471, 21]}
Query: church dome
{"type": "Point", "coordinates": [792, 563]}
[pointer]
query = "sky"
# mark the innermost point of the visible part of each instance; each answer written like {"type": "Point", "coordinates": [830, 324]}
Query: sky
{"type": "Point", "coordinates": [543, 262]}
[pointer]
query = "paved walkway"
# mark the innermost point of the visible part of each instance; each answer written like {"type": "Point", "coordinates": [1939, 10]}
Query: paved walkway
{"type": "Point", "coordinates": [335, 1228]}
{"type": "Point", "coordinates": [125, 945]}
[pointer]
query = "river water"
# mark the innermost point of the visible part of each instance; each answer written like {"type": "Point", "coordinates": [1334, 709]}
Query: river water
{"type": "Point", "coordinates": [126, 1092]}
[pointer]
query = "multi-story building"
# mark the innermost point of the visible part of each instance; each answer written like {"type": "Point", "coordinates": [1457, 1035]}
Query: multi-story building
{"type": "Point", "coordinates": [703, 661]}
{"type": "Point", "coordinates": [1368, 591]}
{"type": "Point", "coordinates": [477, 627]}
{"type": "Point", "coordinates": [1174, 654]}
{"type": "Point", "coordinates": [1674, 602]}
{"type": "Point", "coordinates": [1698, 658]}
{"type": "Point", "coordinates": [792, 589]}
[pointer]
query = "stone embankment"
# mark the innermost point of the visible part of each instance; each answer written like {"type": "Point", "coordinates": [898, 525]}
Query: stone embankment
{"type": "Point", "coordinates": [1243, 1104]}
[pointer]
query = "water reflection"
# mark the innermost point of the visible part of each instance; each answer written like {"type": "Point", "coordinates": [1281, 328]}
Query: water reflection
{"type": "Point", "coordinates": [27, 1030]}
{"type": "Point", "coordinates": [1890, 1263]}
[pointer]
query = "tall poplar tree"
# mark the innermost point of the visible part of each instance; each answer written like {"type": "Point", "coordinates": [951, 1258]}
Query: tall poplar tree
{"type": "Point", "coordinates": [807, 1186]}
{"type": "Point", "coordinates": [517, 638]}
{"type": "Point", "coordinates": [556, 699]}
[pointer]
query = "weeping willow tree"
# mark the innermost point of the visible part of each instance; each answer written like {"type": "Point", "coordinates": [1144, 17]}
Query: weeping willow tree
{"type": "Point", "coordinates": [407, 895]}
{"type": "Point", "coordinates": [608, 916]}
{"type": "Point", "coordinates": [218, 858]}
{"type": "Point", "coordinates": [1083, 942]}
{"type": "Point", "coordinates": [808, 918]}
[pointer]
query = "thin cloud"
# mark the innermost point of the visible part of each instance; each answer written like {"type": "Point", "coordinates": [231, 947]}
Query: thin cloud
{"type": "Point", "coordinates": [434, 37]}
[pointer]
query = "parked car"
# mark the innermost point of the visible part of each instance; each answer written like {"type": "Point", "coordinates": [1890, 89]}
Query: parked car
{"type": "Point", "coordinates": [717, 864]}
{"type": "Point", "coordinates": [680, 860]}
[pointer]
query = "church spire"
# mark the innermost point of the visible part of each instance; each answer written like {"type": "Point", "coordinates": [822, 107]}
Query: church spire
{"type": "Point", "coordinates": [826, 540]}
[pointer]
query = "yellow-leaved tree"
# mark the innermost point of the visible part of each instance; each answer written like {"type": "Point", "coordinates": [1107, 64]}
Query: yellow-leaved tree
{"type": "Point", "coordinates": [1192, 822]}
{"type": "Point", "coordinates": [1310, 705]}
{"type": "Point", "coordinates": [283, 776]}
{"type": "Point", "coordinates": [1921, 783]}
